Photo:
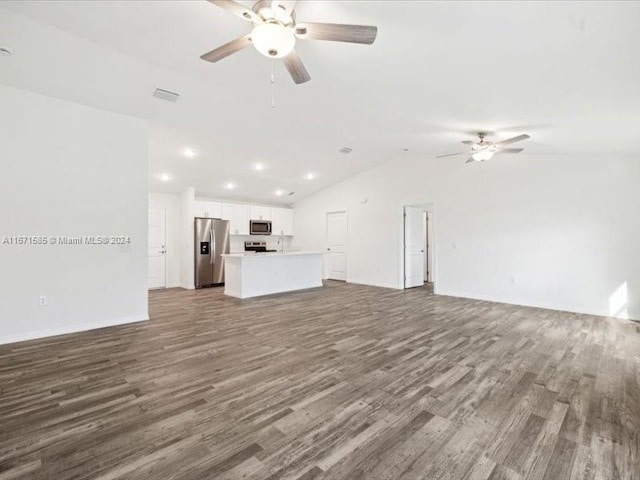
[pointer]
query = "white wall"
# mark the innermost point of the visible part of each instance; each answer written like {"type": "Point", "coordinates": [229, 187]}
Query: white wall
{"type": "Point", "coordinates": [70, 170]}
{"type": "Point", "coordinates": [187, 212]}
{"type": "Point", "coordinates": [566, 228]}
{"type": "Point", "coordinates": [171, 205]}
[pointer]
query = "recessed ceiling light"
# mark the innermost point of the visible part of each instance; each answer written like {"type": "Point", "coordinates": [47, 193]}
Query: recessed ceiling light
{"type": "Point", "coordinates": [279, 192]}
{"type": "Point", "coordinates": [310, 176]}
{"type": "Point", "coordinates": [259, 167]}
{"type": "Point", "coordinates": [165, 177]}
{"type": "Point", "coordinates": [230, 186]}
{"type": "Point", "coordinates": [189, 152]}
{"type": "Point", "coordinates": [5, 51]}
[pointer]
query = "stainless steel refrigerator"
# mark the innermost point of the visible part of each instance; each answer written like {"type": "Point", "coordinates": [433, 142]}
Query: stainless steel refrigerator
{"type": "Point", "coordinates": [211, 241]}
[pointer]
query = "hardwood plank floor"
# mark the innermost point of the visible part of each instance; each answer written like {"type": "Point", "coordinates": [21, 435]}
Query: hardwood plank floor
{"type": "Point", "coordinates": [345, 382]}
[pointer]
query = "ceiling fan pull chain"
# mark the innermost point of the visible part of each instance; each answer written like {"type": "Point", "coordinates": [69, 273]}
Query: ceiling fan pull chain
{"type": "Point", "coordinates": [273, 87]}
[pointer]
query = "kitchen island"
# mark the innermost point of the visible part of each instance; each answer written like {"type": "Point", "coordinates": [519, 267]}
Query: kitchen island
{"type": "Point", "coordinates": [255, 274]}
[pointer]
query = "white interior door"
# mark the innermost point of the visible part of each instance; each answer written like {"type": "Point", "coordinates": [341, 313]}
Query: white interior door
{"type": "Point", "coordinates": [413, 247]}
{"type": "Point", "coordinates": [425, 248]}
{"type": "Point", "coordinates": [157, 248]}
{"type": "Point", "coordinates": [337, 245]}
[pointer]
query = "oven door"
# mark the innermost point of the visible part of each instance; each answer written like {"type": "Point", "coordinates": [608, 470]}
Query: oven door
{"type": "Point", "coordinates": [260, 227]}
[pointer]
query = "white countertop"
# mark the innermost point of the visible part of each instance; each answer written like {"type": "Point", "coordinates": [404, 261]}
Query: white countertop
{"type": "Point", "coordinates": [268, 254]}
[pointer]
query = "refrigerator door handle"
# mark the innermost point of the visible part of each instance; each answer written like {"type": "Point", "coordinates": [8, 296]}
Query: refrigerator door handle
{"type": "Point", "coordinates": [213, 246]}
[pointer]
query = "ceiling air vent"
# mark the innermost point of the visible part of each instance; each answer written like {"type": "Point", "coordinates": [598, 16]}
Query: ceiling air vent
{"type": "Point", "coordinates": [166, 95]}
{"type": "Point", "coordinates": [346, 150]}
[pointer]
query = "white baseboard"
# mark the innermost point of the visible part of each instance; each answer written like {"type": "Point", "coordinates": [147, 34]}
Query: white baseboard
{"type": "Point", "coordinates": [52, 332]}
{"type": "Point", "coordinates": [232, 293]}
{"type": "Point", "coordinates": [374, 284]}
{"type": "Point", "coordinates": [546, 306]}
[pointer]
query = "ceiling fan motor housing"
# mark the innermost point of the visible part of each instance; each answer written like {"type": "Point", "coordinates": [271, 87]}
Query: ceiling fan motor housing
{"type": "Point", "coordinates": [268, 12]}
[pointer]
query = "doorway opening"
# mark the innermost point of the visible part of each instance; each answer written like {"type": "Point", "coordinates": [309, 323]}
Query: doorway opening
{"type": "Point", "coordinates": [418, 248]}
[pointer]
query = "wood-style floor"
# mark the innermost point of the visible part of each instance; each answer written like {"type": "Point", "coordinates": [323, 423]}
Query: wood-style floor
{"type": "Point", "coordinates": [344, 382]}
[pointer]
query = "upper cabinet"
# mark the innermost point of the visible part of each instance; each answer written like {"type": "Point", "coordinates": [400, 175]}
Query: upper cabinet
{"type": "Point", "coordinates": [199, 209]}
{"type": "Point", "coordinates": [282, 219]}
{"type": "Point", "coordinates": [207, 209]}
{"type": "Point", "coordinates": [238, 216]}
{"type": "Point", "coordinates": [260, 213]}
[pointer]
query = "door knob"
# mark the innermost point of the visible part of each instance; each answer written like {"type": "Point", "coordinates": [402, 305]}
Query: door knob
{"type": "Point", "coordinates": [163, 251]}
{"type": "Point", "coordinates": [328, 249]}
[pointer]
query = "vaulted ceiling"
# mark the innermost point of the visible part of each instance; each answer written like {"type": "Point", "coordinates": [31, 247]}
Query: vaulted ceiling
{"type": "Point", "coordinates": [566, 73]}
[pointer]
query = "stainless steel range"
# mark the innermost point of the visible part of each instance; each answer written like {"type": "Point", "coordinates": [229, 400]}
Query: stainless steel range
{"type": "Point", "coordinates": [256, 247]}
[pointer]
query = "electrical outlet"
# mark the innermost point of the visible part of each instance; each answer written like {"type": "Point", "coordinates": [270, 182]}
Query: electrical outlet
{"type": "Point", "coordinates": [512, 280]}
{"type": "Point", "coordinates": [43, 301]}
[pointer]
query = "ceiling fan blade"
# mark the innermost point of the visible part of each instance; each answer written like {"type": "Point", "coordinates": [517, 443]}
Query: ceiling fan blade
{"type": "Point", "coordinates": [296, 68]}
{"type": "Point", "coordinates": [337, 32]}
{"type": "Point", "coordinates": [238, 10]}
{"type": "Point", "coordinates": [227, 49]}
{"type": "Point", "coordinates": [510, 150]}
{"type": "Point", "coordinates": [519, 138]}
{"type": "Point", "coordinates": [468, 142]}
{"type": "Point", "coordinates": [452, 154]}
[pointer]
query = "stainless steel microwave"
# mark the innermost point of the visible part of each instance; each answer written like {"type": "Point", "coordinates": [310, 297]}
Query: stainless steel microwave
{"type": "Point", "coordinates": [260, 227]}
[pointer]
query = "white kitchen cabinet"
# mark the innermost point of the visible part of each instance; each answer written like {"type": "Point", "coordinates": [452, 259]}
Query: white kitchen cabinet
{"type": "Point", "coordinates": [214, 209]}
{"type": "Point", "coordinates": [282, 219]}
{"type": "Point", "coordinates": [259, 213]}
{"type": "Point", "coordinates": [207, 209]}
{"type": "Point", "coordinates": [228, 211]}
{"type": "Point", "coordinates": [199, 209]}
{"type": "Point", "coordinates": [240, 222]}
{"type": "Point", "coordinates": [238, 216]}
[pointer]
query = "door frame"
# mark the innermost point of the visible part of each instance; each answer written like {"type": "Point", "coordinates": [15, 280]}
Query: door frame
{"type": "Point", "coordinates": [346, 246]}
{"type": "Point", "coordinates": [166, 256]}
{"type": "Point", "coordinates": [429, 207]}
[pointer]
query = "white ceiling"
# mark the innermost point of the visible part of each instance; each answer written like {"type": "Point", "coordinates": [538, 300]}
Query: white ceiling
{"type": "Point", "coordinates": [566, 73]}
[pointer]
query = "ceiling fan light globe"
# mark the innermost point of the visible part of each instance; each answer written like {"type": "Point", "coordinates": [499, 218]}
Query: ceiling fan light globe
{"type": "Point", "coordinates": [273, 40]}
{"type": "Point", "coordinates": [482, 155]}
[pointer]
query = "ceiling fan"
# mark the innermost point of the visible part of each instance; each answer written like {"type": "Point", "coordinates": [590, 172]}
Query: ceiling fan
{"type": "Point", "coordinates": [484, 149]}
{"type": "Point", "coordinates": [275, 31]}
